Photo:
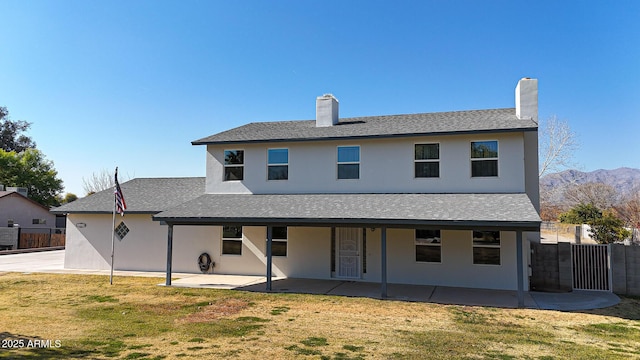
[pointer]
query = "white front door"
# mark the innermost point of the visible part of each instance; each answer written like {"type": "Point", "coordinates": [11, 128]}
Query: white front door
{"type": "Point", "coordinates": [348, 241]}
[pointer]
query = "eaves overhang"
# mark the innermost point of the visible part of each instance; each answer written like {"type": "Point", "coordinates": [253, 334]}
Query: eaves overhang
{"type": "Point", "coordinates": [362, 137]}
{"type": "Point", "coordinates": [354, 222]}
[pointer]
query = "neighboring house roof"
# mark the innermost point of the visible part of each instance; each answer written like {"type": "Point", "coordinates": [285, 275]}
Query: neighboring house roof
{"type": "Point", "coordinates": [142, 195]}
{"type": "Point", "coordinates": [17, 194]}
{"type": "Point", "coordinates": [513, 211]}
{"type": "Point", "coordinates": [474, 121]}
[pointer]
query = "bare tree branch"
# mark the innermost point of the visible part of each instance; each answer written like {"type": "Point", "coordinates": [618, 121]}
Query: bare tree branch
{"type": "Point", "coordinates": [601, 195]}
{"type": "Point", "coordinates": [556, 146]}
{"type": "Point", "coordinates": [102, 180]}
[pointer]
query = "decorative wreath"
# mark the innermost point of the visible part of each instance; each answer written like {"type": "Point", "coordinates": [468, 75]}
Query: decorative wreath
{"type": "Point", "coordinates": [205, 263]}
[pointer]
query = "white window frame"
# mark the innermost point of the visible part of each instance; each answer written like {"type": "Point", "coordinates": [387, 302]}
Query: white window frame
{"type": "Point", "coordinates": [338, 163]}
{"type": "Point", "coordinates": [487, 246]}
{"type": "Point", "coordinates": [416, 244]}
{"type": "Point", "coordinates": [425, 160]}
{"type": "Point", "coordinates": [497, 158]}
{"type": "Point", "coordinates": [270, 165]}
{"type": "Point", "coordinates": [231, 239]}
{"type": "Point", "coordinates": [225, 165]}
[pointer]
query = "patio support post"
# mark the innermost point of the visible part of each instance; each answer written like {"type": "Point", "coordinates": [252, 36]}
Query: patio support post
{"type": "Point", "coordinates": [169, 253]}
{"type": "Point", "coordinates": [520, 272]}
{"type": "Point", "coordinates": [383, 252]}
{"type": "Point", "coordinates": [269, 255]}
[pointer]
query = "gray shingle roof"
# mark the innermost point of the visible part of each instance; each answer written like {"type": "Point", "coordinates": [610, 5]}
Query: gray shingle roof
{"type": "Point", "coordinates": [453, 210]}
{"type": "Point", "coordinates": [142, 195]}
{"type": "Point", "coordinates": [474, 121]}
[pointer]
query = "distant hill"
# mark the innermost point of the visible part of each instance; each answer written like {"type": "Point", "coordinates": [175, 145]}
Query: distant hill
{"type": "Point", "coordinates": [624, 180]}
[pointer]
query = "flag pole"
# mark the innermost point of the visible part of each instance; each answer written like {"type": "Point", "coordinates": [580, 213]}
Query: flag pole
{"type": "Point", "coordinates": [119, 206]}
{"type": "Point", "coordinates": [113, 237]}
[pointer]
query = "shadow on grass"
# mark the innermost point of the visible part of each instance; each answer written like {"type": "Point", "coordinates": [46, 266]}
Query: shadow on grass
{"type": "Point", "coordinates": [16, 346]}
{"type": "Point", "coordinates": [628, 308]}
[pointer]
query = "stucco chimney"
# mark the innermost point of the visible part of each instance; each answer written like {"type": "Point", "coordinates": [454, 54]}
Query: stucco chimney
{"type": "Point", "coordinates": [527, 99]}
{"type": "Point", "coordinates": [326, 110]}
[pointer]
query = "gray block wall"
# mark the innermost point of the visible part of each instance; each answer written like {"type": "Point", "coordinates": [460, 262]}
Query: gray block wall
{"type": "Point", "coordinates": [633, 269]}
{"type": "Point", "coordinates": [565, 267]}
{"type": "Point", "coordinates": [619, 269]}
{"type": "Point", "coordinates": [552, 269]}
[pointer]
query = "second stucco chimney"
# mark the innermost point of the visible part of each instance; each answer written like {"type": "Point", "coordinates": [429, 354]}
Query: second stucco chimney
{"type": "Point", "coordinates": [527, 99]}
{"type": "Point", "coordinates": [326, 110]}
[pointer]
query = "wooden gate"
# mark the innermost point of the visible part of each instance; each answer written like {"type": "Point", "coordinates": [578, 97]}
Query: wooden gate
{"type": "Point", "coordinates": [591, 267]}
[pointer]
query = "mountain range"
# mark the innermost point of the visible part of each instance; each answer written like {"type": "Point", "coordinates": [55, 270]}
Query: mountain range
{"type": "Point", "coordinates": [624, 180]}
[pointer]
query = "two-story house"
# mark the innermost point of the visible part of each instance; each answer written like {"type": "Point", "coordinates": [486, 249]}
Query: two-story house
{"type": "Point", "coordinates": [447, 199]}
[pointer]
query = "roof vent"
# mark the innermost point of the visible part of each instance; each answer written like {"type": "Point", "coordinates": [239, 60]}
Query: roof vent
{"type": "Point", "coordinates": [326, 110]}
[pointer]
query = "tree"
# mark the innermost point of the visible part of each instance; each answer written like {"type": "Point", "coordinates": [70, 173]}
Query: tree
{"type": "Point", "coordinates": [608, 229]}
{"type": "Point", "coordinates": [629, 211]}
{"type": "Point", "coordinates": [102, 180]}
{"type": "Point", "coordinates": [30, 169]}
{"type": "Point", "coordinates": [581, 214]}
{"type": "Point", "coordinates": [11, 138]}
{"type": "Point", "coordinates": [600, 195]}
{"type": "Point", "coordinates": [69, 197]}
{"type": "Point", "coordinates": [556, 145]}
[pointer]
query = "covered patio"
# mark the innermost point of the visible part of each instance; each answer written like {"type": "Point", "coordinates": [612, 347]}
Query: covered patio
{"type": "Point", "coordinates": [491, 212]}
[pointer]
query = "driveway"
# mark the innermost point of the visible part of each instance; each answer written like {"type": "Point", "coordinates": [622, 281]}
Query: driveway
{"type": "Point", "coordinates": [42, 261]}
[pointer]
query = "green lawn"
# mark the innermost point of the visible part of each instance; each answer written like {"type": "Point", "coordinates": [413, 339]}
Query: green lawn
{"type": "Point", "coordinates": [82, 316]}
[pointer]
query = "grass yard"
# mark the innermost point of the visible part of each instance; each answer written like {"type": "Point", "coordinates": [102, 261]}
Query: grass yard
{"type": "Point", "coordinates": [82, 316]}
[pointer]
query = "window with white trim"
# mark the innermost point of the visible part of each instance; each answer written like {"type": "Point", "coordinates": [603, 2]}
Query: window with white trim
{"type": "Point", "coordinates": [428, 246]}
{"type": "Point", "coordinates": [348, 162]}
{"type": "Point", "coordinates": [427, 160]}
{"type": "Point", "coordinates": [278, 164]}
{"type": "Point", "coordinates": [233, 165]}
{"type": "Point", "coordinates": [232, 240]}
{"type": "Point", "coordinates": [279, 240]}
{"type": "Point", "coordinates": [486, 247]}
{"type": "Point", "coordinates": [484, 158]}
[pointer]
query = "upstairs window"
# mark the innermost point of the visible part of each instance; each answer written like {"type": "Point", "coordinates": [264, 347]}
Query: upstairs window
{"type": "Point", "coordinates": [486, 247]}
{"type": "Point", "coordinates": [278, 164]}
{"type": "Point", "coordinates": [484, 158]}
{"type": "Point", "coordinates": [348, 162]}
{"type": "Point", "coordinates": [233, 165]}
{"type": "Point", "coordinates": [232, 240]}
{"type": "Point", "coordinates": [427, 160]}
{"type": "Point", "coordinates": [428, 245]}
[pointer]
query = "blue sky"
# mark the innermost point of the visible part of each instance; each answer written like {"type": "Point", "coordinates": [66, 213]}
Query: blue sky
{"type": "Point", "coordinates": [132, 83]}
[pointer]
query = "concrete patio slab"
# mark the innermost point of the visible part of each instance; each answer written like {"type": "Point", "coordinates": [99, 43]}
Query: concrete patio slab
{"type": "Point", "coordinates": [217, 281]}
{"type": "Point", "coordinates": [575, 300]}
{"type": "Point", "coordinates": [421, 293]}
{"type": "Point", "coordinates": [294, 285]}
{"type": "Point", "coordinates": [357, 289]}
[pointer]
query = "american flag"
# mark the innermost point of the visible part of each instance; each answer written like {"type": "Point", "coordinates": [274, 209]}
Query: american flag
{"type": "Point", "coordinates": [121, 206]}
